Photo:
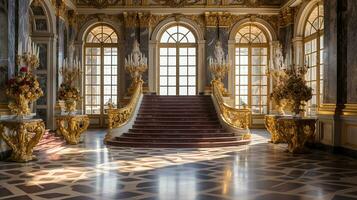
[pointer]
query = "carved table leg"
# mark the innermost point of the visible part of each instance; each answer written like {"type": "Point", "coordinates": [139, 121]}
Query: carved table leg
{"type": "Point", "coordinates": [21, 141]}
{"type": "Point", "coordinates": [72, 127]}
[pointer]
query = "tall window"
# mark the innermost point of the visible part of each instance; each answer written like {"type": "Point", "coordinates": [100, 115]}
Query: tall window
{"type": "Point", "coordinates": [251, 56]}
{"type": "Point", "coordinates": [313, 50]}
{"type": "Point", "coordinates": [101, 70]}
{"type": "Point", "coordinates": [177, 74]}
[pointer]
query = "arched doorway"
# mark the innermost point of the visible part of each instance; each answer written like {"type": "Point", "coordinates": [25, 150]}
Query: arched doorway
{"type": "Point", "coordinates": [178, 61]}
{"type": "Point", "coordinates": [101, 72]}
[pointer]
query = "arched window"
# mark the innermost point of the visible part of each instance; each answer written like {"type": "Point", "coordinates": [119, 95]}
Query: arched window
{"type": "Point", "coordinates": [313, 50]}
{"type": "Point", "coordinates": [178, 65]}
{"type": "Point", "coordinates": [101, 70]}
{"type": "Point", "coordinates": [251, 59]}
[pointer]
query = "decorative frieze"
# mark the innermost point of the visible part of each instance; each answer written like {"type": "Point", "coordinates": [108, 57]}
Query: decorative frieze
{"type": "Point", "coordinates": [219, 18]}
{"type": "Point", "coordinates": [98, 3]}
{"type": "Point", "coordinates": [286, 17]}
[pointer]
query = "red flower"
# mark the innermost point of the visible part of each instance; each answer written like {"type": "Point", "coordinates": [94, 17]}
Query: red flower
{"type": "Point", "coordinates": [24, 69]}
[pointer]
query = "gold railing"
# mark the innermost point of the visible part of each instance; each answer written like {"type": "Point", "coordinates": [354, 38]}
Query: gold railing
{"type": "Point", "coordinates": [121, 116]}
{"type": "Point", "coordinates": [233, 117]}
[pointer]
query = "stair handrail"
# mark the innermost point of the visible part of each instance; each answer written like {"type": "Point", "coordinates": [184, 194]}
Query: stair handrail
{"type": "Point", "coordinates": [233, 117]}
{"type": "Point", "coordinates": [121, 116]}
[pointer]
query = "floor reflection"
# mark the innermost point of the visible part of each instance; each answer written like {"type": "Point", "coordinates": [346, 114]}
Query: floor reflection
{"type": "Point", "coordinates": [261, 170]}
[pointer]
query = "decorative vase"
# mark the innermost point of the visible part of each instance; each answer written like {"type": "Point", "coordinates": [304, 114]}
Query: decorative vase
{"type": "Point", "coordinates": [281, 106]}
{"type": "Point", "coordinates": [296, 108]}
{"type": "Point", "coordinates": [20, 107]}
{"type": "Point", "coordinates": [71, 105]}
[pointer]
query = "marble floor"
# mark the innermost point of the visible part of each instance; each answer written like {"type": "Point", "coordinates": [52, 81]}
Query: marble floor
{"type": "Point", "coordinates": [257, 171]}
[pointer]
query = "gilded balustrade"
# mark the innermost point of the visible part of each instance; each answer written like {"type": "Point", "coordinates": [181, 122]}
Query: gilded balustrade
{"type": "Point", "coordinates": [235, 118]}
{"type": "Point", "coordinates": [119, 117]}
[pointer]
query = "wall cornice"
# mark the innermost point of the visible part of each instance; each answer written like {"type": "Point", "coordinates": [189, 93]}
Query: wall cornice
{"type": "Point", "coordinates": [184, 11]}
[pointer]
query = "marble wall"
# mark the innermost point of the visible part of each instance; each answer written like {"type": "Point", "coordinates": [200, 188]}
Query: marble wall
{"type": "Point", "coordinates": [3, 47]}
{"type": "Point", "coordinates": [144, 48]}
{"type": "Point", "coordinates": [211, 36]}
{"type": "Point", "coordinates": [130, 34]}
{"type": "Point", "coordinates": [351, 35]}
{"type": "Point", "coordinates": [286, 35]}
{"type": "Point", "coordinates": [61, 47]}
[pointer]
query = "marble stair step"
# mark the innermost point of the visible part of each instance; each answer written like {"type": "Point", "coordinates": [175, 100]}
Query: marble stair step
{"type": "Point", "coordinates": [175, 126]}
{"type": "Point", "coordinates": [180, 123]}
{"type": "Point", "coordinates": [176, 119]}
{"type": "Point", "coordinates": [180, 135]}
{"type": "Point", "coordinates": [156, 130]}
{"type": "Point", "coordinates": [176, 140]}
{"type": "Point", "coordinates": [178, 145]}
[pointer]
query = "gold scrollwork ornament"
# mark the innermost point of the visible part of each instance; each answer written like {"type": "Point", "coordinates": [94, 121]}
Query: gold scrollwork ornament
{"type": "Point", "coordinates": [22, 138]}
{"type": "Point", "coordinates": [72, 126]}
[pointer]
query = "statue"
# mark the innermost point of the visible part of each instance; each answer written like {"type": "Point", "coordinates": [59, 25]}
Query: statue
{"type": "Point", "coordinates": [279, 58]}
{"type": "Point", "coordinates": [136, 54]}
{"type": "Point", "coordinates": [219, 52]}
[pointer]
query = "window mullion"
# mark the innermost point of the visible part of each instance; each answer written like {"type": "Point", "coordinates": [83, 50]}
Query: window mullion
{"type": "Point", "coordinates": [250, 76]}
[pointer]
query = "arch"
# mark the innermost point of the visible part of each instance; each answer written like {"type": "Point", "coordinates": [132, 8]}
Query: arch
{"type": "Point", "coordinates": [154, 44]}
{"type": "Point", "coordinates": [302, 16]}
{"type": "Point", "coordinates": [49, 12]}
{"type": "Point", "coordinates": [261, 23]}
{"type": "Point", "coordinates": [165, 24]}
{"type": "Point", "coordinates": [100, 34]}
{"type": "Point", "coordinates": [89, 25]}
{"type": "Point", "coordinates": [178, 34]}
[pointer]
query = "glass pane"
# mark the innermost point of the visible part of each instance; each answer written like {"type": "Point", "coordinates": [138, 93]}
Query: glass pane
{"type": "Point", "coordinates": [163, 90]}
{"type": "Point", "coordinates": [172, 81]}
{"type": "Point", "coordinates": [183, 91]}
{"type": "Point", "coordinates": [172, 91]}
{"type": "Point", "coordinates": [192, 91]}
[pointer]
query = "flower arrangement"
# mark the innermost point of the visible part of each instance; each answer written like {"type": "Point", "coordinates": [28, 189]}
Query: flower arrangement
{"type": "Point", "coordinates": [291, 88]}
{"type": "Point", "coordinates": [67, 92]}
{"type": "Point", "coordinates": [23, 88]}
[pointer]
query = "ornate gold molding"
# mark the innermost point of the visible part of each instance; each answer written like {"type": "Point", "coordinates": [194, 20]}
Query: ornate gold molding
{"type": "Point", "coordinates": [72, 126]}
{"type": "Point", "coordinates": [271, 125]}
{"type": "Point", "coordinates": [24, 136]}
{"type": "Point", "coordinates": [350, 110]}
{"type": "Point", "coordinates": [131, 19]}
{"type": "Point", "coordinates": [286, 17]}
{"type": "Point", "coordinates": [72, 18]}
{"type": "Point", "coordinates": [327, 109]}
{"type": "Point", "coordinates": [213, 19]}
{"type": "Point", "coordinates": [296, 132]}
{"type": "Point", "coordinates": [177, 3]}
{"type": "Point", "coordinates": [99, 3]}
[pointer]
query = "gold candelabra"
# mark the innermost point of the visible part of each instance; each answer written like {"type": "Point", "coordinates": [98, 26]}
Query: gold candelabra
{"type": "Point", "coordinates": [136, 65]}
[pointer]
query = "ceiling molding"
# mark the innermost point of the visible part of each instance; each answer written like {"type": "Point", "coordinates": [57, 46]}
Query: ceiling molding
{"type": "Point", "coordinates": [191, 11]}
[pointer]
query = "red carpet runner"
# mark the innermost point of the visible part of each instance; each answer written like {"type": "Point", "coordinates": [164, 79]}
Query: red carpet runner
{"type": "Point", "coordinates": [177, 122]}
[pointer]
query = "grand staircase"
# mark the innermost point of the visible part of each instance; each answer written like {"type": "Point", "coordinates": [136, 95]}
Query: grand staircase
{"type": "Point", "coordinates": [177, 122]}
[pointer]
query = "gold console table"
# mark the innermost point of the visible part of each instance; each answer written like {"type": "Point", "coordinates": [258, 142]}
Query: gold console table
{"type": "Point", "coordinates": [296, 132]}
{"type": "Point", "coordinates": [22, 136]}
{"type": "Point", "coordinates": [271, 126]}
{"type": "Point", "coordinates": [72, 126]}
